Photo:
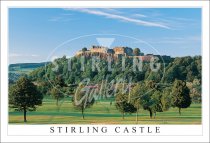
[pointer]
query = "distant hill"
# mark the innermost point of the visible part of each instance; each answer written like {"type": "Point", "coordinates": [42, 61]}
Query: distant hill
{"type": "Point", "coordinates": [182, 68]}
{"type": "Point", "coordinates": [13, 67]}
{"type": "Point", "coordinates": [21, 69]}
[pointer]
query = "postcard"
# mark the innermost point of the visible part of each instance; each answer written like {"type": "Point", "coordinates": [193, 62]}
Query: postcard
{"type": "Point", "coordinates": [104, 71]}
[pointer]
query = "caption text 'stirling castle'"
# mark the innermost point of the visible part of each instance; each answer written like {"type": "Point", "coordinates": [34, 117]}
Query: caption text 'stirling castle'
{"type": "Point", "coordinates": [117, 52]}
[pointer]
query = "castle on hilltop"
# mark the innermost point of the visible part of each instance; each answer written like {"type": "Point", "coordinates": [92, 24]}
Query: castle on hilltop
{"type": "Point", "coordinates": [118, 52]}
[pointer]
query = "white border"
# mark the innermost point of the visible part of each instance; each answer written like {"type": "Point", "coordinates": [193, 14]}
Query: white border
{"type": "Point", "coordinates": [131, 4]}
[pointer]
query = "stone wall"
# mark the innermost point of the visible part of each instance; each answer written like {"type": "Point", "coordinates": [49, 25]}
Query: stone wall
{"type": "Point", "coordinates": [119, 50]}
{"type": "Point", "coordinates": [98, 49]}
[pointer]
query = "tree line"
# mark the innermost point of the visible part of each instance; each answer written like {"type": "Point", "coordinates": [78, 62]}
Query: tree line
{"type": "Point", "coordinates": [178, 86]}
{"type": "Point", "coordinates": [154, 98]}
{"type": "Point", "coordinates": [187, 69]}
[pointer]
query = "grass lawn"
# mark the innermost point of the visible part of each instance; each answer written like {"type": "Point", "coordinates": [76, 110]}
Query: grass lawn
{"type": "Point", "coordinates": [101, 113]}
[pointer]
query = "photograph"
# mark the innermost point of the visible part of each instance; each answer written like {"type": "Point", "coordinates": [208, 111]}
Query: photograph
{"type": "Point", "coordinates": [104, 71]}
{"type": "Point", "coordinates": [105, 66]}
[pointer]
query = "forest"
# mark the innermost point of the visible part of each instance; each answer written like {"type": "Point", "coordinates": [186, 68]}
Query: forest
{"type": "Point", "coordinates": [176, 84]}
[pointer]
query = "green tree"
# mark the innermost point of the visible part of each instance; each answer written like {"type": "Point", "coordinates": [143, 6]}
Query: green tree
{"type": "Point", "coordinates": [161, 101]}
{"type": "Point", "coordinates": [123, 105]}
{"type": "Point", "coordinates": [166, 98]}
{"type": "Point", "coordinates": [182, 68]}
{"type": "Point", "coordinates": [147, 96]}
{"type": "Point", "coordinates": [195, 91]}
{"type": "Point", "coordinates": [81, 100]}
{"type": "Point", "coordinates": [180, 95]}
{"type": "Point", "coordinates": [135, 98]}
{"type": "Point", "coordinates": [84, 49]}
{"type": "Point", "coordinates": [156, 97]}
{"type": "Point", "coordinates": [57, 91]}
{"type": "Point", "coordinates": [56, 94]}
{"type": "Point", "coordinates": [24, 96]}
{"type": "Point", "coordinates": [172, 72]}
{"type": "Point", "coordinates": [59, 81]}
{"type": "Point", "coordinates": [136, 51]}
{"type": "Point", "coordinates": [148, 103]}
{"type": "Point", "coordinates": [43, 87]}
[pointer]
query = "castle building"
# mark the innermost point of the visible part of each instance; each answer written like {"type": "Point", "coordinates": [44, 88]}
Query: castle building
{"type": "Point", "coordinates": [98, 49]}
{"type": "Point", "coordinates": [118, 52]}
{"type": "Point", "coordinates": [123, 51]}
{"type": "Point", "coordinates": [145, 58]}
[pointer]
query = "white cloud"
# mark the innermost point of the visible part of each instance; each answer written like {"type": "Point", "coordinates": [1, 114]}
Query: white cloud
{"type": "Point", "coordinates": [53, 58]}
{"type": "Point", "coordinates": [21, 55]}
{"type": "Point", "coordinates": [35, 55]}
{"type": "Point", "coordinates": [14, 55]}
{"type": "Point", "coordinates": [113, 11]}
{"type": "Point", "coordinates": [139, 15]}
{"type": "Point", "coordinates": [187, 40]}
{"type": "Point", "coordinates": [176, 40]}
{"type": "Point", "coordinates": [123, 18]}
{"type": "Point", "coordinates": [64, 17]}
{"type": "Point", "coordinates": [177, 23]}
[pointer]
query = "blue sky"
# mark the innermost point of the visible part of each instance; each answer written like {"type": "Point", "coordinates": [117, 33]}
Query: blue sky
{"type": "Point", "coordinates": [34, 33]}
